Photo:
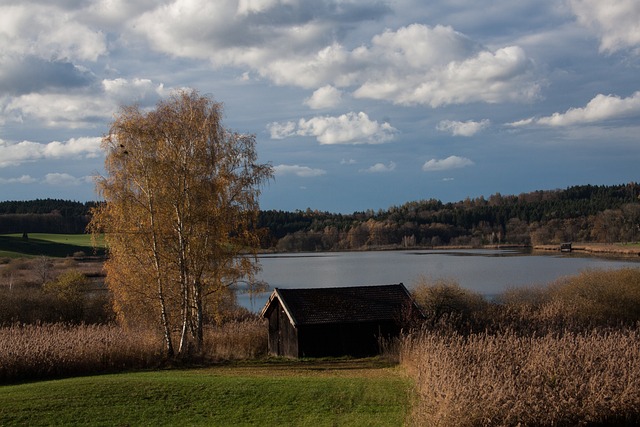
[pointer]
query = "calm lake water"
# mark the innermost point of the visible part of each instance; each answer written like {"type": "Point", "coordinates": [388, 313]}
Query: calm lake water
{"type": "Point", "coordinates": [488, 272]}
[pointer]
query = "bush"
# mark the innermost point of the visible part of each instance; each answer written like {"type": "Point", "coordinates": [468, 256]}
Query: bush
{"type": "Point", "coordinates": [67, 299]}
{"type": "Point", "coordinates": [591, 299]}
{"type": "Point", "coordinates": [445, 301]}
{"type": "Point", "coordinates": [68, 294]}
{"type": "Point", "coordinates": [600, 297]}
{"type": "Point", "coordinates": [24, 305]}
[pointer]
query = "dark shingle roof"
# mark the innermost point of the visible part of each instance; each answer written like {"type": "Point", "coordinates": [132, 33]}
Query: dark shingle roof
{"type": "Point", "coordinates": [343, 304]}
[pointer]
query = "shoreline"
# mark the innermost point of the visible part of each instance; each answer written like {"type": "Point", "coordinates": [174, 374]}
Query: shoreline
{"type": "Point", "coordinates": [615, 249]}
{"type": "Point", "coordinates": [594, 249]}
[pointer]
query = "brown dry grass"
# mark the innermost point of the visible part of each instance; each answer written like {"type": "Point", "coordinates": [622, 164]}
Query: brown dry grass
{"type": "Point", "coordinates": [564, 354]}
{"type": "Point", "coordinates": [244, 339]}
{"type": "Point", "coordinates": [53, 350]}
{"type": "Point", "coordinates": [506, 379]}
{"type": "Point", "coordinates": [33, 272]}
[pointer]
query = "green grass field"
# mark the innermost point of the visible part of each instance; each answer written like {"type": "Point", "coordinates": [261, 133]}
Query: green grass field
{"type": "Point", "coordinates": [342, 393]}
{"type": "Point", "coordinates": [51, 245]}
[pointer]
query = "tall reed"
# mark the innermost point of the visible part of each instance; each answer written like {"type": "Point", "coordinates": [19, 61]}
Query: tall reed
{"type": "Point", "coordinates": [236, 340]}
{"type": "Point", "coordinates": [510, 379]}
{"type": "Point", "coordinates": [52, 350]}
{"type": "Point", "coordinates": [40, 351]}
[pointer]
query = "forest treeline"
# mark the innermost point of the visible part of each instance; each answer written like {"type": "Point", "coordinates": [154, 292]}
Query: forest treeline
{"type": "Point", "coordinates": [586, 213]}
{"type": "Point", "coordinates": [44, 216]}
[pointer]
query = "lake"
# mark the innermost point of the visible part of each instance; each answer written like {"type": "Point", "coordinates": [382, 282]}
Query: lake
{"type": "Point", "coordinates": [488, 272]}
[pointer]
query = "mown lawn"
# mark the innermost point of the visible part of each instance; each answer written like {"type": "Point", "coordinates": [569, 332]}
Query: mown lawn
{"type": "Point", "coordinates": [51, 245]}
{"type": "Point", "coordinates": [287, 393]}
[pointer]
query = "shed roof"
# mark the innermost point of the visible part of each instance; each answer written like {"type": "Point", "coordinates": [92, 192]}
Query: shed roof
{"type": "Point", "coordinates": [341, 304]}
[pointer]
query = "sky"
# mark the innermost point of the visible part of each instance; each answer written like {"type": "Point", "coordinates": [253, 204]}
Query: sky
{"type": "Point", "coordinates": [357, 105]}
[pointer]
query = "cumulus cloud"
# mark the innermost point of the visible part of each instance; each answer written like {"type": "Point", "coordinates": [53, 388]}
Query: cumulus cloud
{"type": "Point", "coordinates": [492, 77]}
{"type": "Point", "coordinates": [468, 128]}
{"type": "Point", "coordinates": [415, 64]}
{"type": "Point", "coordinates": [600, 108]}
{"type": "Point", "coordinates": [62, 180]}
{"type": "Point", "coordinates": [139, 91]}
{"type": "Point", "coordinates": [77, 109]}
{"type": "Point", "coordinates": [325, 97]}
{"type": "Point", "coordinates": [350, 128]}
{"type": "Point", "coordinates": [451, 162]}
{"type": "Point", "coordinates": [27, 151]}
{"type": "Point", "coordinates": [281, 130]}
{"type": "Point", "coordinates": [301, 171]}
{"type": "Point", "coordinates": [380, 168]}
{"type": "Point", "coordinates": [615, 22]}
{"type": "Point", "coordinates": [48, 32]}
{"type": "Point", "coordinates": [24, 179]}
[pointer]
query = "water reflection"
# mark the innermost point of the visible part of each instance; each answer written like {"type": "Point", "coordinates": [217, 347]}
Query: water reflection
{"type": "Point", "coordinates": [487, 271]}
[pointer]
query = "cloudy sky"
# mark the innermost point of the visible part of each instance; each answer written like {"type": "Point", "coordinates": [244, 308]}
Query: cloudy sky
{"type": "Point", "coordinates": [357, 104]}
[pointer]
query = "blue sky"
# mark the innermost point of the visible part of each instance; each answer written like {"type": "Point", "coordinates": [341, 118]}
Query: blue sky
{"type": "Point", "coordinates": [357, 104]}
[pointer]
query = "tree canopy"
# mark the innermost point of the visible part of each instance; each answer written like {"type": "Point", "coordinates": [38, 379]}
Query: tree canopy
{"type": "Point", "coordinates": [181, 201]}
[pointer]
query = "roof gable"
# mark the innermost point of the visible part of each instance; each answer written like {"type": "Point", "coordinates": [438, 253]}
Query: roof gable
{"type": "Point", "coordinates": [342, 304]}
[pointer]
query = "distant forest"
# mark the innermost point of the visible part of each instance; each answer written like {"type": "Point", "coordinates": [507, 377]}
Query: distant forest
{"type": "Point", "coordinates": [586, 213]}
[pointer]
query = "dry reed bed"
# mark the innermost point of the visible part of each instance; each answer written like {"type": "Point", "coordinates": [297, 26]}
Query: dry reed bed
{"type": "Point", "coordinates": [53, 350]}
{"type": "Point", "coordinates": [506, 379]}
{"type": "Point", "coordinates": [236, 340]}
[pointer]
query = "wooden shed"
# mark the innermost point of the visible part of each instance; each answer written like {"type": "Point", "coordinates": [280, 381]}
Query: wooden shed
{"type": "Point", "coordinates": [336, 321]}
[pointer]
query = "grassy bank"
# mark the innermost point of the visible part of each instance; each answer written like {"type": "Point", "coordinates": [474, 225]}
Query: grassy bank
{"type": "Point", "coordinates": [50, 245]}
{"type": "Point", "coordinates": [340, 393]}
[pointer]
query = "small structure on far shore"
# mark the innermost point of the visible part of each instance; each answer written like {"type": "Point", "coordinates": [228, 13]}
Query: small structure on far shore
{"type": "Point", "coordinates": [337, 321]}
{"type": "Point", "coordinates": [565, 247]}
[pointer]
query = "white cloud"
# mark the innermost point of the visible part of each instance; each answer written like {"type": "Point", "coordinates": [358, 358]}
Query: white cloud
{"type": "Point", "coordinates": [325, 97]}
{"type": "Point", "coordinates": [136, 90]}
{"type": "Point", "coordinates": [281, 130]}
{"type": "Point", "coordinates": [523, 122]}
{"type": "Point", "coordinates": [87, 147]}
{"type": "Point", "coordinates": [415, 64]}
{"type": "Point", "coordinates": [492, 77]}
{"type": "Point", "coordinates": [600, 108]}
{"type": "Point", "coordinates": [24, 179]}
{"type": "Point", "coordinates": [27, 151]}
{"type": "Point", "coordinates": [451, 162]}
{"type": "Point", "coordinates": [62, 180]}
{"type": "Point", "coordinates": [78, 109]}
{"type": "Point", "coordinates": [246, 7]}
{"type": "Point", "coordinates": [468, 128]}
{"type": "Point", "coordinates": [48, 32]}
{"type": "Point", "coordinates": [301, 171]}
{"type": "Point", "coordinates": [350, 128]}
{"type": "Point", "coordinates": [380, 168]}
{"type": "Point", "coordinates": [348, 162]}
{"type": "Point", "coordinates": [616, 22]}
{"type": "Point", "coordinates": [60, 109]}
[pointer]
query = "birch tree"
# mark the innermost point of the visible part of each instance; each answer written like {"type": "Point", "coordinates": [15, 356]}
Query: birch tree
{"type": "Point", "coordinates": [181, 199]}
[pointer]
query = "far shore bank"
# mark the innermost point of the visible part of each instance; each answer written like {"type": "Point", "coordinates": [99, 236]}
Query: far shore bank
{"type": "Point", "coordinates": [614, 249]}
{"type": "Point", "coordinates": [596, 249]}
